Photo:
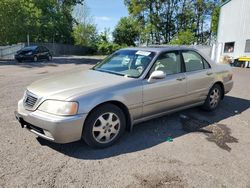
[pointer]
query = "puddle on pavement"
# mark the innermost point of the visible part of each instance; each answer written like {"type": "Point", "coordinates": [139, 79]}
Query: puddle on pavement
{"type": "Point", "coordinates": [220, 134]}
{"type": "Point", "coordinates": [158, 181]}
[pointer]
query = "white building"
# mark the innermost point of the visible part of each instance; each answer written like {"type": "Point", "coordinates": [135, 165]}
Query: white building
{"type": "Point", "coordinates": [234, 29]}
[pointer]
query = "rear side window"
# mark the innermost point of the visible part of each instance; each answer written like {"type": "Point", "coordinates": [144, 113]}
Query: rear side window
{"type": "Point", "coordinates": [43, 49]}
{"type": "Point", "coordinates": [194, 62]}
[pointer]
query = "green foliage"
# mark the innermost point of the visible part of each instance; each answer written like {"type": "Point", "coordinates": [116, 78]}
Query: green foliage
{"type": "Point", "coordinates": [106, 48]}
{"type": "Point", "coordinates": [43, 20]}
{"type": "Point", "coordinates": [126, 32]}
{"type": "Point", "coordinates": [215, 19]}
{"type": "Point", "coordinates": [183, 38]}
{"type": "Point", "coordinates": [160, 20]}
{"type": "Point", "coordinates": [85, 35]}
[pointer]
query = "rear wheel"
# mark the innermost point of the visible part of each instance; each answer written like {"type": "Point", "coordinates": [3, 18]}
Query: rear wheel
{"type": "Point", "coordinates": [213, 98]}
{"type": "Point", "coordinates": [104, 126]}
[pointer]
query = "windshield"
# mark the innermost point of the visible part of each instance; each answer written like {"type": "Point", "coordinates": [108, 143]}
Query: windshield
{"type": "Point", "coordinates": [29, 48]}
{"type": "Point", "coordinates": [130, 63]}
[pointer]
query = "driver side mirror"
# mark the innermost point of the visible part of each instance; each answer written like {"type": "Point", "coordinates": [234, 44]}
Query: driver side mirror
{"type": "Point", "coordinates": [156, 75]}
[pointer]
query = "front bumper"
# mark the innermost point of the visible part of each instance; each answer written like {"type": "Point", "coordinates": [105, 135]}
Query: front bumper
{"type": "Point", "coordinates": [24, 57]}
{"type": "Point", "coordinates": [59, 129]}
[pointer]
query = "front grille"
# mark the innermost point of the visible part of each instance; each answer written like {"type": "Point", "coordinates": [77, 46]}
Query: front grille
{"type": "Point", "coordinates": [29, 100]}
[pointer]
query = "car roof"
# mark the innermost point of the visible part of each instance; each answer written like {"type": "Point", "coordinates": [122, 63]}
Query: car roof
{"type": "Point", "coordinates": [159, 49]}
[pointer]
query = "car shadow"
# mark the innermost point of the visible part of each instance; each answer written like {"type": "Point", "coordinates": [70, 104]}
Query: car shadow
{"type": "Point", "coordinates": [153, 132]}
{"type": "Point", "coordinates": [88, 60]}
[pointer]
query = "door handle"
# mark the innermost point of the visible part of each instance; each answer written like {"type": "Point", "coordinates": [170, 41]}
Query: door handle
{"type": "Point", "coordinates": [181, 78]}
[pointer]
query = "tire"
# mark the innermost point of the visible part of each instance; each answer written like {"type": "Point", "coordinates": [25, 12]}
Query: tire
{"type": "Point", "coordinates": [213, 98]}
{"type": "Point", "coordinates": [49, 58]}
{"type": "Point", "coordinates": [104, 126]}
{"type": "Point", "coordinates": [35, 59]}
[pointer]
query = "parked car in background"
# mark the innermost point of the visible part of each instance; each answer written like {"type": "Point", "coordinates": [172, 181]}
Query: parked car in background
{"type": "Point", "coordinates": [33, 53]}
{"type": "Point", "coordinates": [130, 86]}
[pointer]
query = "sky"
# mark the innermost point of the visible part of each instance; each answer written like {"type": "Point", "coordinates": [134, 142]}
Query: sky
{"type": "Point", "coordinates": [106, 13]}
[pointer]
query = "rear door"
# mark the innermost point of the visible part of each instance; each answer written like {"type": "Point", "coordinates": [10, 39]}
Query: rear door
{"type": "Point", "coordinates": [199, 76]}
{"type": "Point", "coordinates": [165, 94]}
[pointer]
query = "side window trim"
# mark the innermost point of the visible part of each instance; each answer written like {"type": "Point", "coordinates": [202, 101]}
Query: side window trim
{"type": "Point", "coordinates": [205, 62]}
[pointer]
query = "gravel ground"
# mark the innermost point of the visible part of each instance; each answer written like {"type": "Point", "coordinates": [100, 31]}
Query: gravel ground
{"type": "Point", "coordinates": [191, 148]}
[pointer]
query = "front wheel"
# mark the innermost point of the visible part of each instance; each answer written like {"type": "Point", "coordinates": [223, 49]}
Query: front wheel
{"type": "Point", "coordinates": [35, 59]}
{"type": "Point", "coordinates": [49, 58]}
{"type": "Point", "coordinates": [213, 98]}
{"type": "Point", "coordinates": [104, 126]}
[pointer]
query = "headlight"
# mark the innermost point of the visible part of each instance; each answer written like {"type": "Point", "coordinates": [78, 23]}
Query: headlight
{"type": "Point", "coordinates": [29, 53]}
{"type": "Point", "coordinates": [62, 108]}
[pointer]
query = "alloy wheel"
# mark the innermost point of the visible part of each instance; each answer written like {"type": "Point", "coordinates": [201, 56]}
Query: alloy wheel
{"type": "Point", "coordinates": [106, 128]}
{"type": "Point", "coordinates": [214, 97]}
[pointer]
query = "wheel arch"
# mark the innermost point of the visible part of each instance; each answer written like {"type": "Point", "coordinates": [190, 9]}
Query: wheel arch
{"type": "Point", "coordinates": [122, 106]}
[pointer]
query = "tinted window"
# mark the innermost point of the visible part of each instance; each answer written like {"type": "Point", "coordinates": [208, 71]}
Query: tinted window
{"type": "Point", "coordinates": [45, 49]}
{"type": "Point", "coordinates": [169, 63]}
{"type": "Point", "coordinates": [193, 61]}
{"type": "Point", "coordinates": [39, 49]}
{"type": "Point", "coordinates": [42, 49]}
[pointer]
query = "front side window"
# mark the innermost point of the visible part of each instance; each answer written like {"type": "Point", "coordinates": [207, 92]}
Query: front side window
{"type": "Point", "coordinates": [130, 63]}
{"type": "Point", "coordinates": [169, 63]}
{"type": "Point", "coordinates": [193, 61]}
{"type": "Point", "coordinates": [229, 47]}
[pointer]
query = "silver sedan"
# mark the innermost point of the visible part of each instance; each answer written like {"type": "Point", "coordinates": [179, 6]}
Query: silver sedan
{"type": "Point", "coordinates": [130, 86]}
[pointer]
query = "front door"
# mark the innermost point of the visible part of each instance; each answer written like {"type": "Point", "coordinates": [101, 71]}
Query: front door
{"type": "Point", "coordinates": [168, 93]}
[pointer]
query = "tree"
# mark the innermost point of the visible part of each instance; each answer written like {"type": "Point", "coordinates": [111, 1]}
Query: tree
{"type": "Point", "coordinates": [215, 18]}
{"type": "Point", "coordinates": [183, 38]}
{"type": "Point", "coordinates": [126, 32]}
{"type": "Point", "coordinates": [84, 30]}
{"type": "Point", "coordinates": [85, 35]}
{"type": "Point", "coordinates": [11, 22]}
{"type": "Point", "coordinates": [44, 21]}
{"type": "Point", "coordinates": [161, 20]}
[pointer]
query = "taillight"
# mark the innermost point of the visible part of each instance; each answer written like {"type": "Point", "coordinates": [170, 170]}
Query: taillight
{"type": "Point", "coordinates": [230, 76]}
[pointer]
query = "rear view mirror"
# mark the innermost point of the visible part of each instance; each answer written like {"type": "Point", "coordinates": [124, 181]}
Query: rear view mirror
{"type": "Point", "coordinates": [156, 75]}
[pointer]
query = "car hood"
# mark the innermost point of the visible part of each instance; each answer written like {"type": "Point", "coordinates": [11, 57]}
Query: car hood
{"type": "Point", "coordinates": [64, 86]}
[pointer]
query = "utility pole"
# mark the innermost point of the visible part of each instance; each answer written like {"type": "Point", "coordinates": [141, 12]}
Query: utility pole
{"type": "Point", "coordinates": [28, 39]}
